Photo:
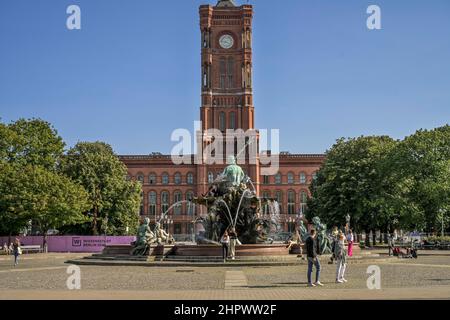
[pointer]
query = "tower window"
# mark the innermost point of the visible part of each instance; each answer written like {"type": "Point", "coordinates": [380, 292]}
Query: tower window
{"type": "Point", "coordinates": [222, 72]}
{"type": "Point", "coordinates": [230, 72]}
{"type": "Point", "coordinates": [232, 120]}
{"type": "Point", "coordinates": [222, 121]}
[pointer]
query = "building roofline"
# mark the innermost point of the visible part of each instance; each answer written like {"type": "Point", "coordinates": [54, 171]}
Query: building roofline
{"type": "Point", "coordinates": [168, 157]}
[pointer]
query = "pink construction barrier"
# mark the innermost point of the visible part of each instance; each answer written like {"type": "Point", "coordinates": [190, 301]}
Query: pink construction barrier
{"type": "Point", "coordinates": [73, 243]}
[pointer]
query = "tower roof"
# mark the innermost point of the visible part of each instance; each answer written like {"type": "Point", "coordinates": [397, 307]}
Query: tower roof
{"type": "Point", "coordinates": [226, 3]}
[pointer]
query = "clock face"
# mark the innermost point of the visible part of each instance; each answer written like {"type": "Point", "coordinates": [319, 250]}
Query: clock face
{"type": "Point", "coordinates": [226, 41]}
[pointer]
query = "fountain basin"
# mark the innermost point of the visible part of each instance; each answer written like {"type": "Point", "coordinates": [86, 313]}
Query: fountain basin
{"type": "Point", "coordinates": [245, 250]}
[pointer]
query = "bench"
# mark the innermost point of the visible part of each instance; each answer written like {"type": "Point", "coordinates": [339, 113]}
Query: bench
{"type": "Point", "coordinates": [33, 248]}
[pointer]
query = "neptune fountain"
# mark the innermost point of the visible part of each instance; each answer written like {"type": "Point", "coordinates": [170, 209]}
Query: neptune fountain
{"type": "Point", "coordinates": [232, 203]}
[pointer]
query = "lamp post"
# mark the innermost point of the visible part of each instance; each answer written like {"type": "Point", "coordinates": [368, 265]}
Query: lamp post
{"type": "Point", "coordinates": [347, 222]}
{"type": "Point", "coordinates": [442, 221]}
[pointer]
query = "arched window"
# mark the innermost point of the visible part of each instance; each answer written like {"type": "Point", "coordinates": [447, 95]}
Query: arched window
{"type": "Point", "coordinates": [230, 72]}
{"type": "Point", "coordinates": [140, 178]}
{"type": "Point", "coordinates": [164, 201]}
{"type": "Point", "coordinates": [210, 177]}
{"type": "Point", "coordinates": [279, 198]}
{"type": "Point", "coordinates": [278, 178]}
{"type": "Point", "coordinates": [152, 203]}
{"type": "Point", "coordinates": [266, 195]}
{"type": "Point", "coordinates": [291, 202]}
{"type": "Point", "coordinates": [232, 120]}
{"type": "Point", "coordinates": [177, 197]}
{"type": "Point", "coordinates": [290, 178]}
{"type": "Point", "coordinates": [141, 207]}
{"type": "Point", "coordinates": [190, 205]}
{"type": "Point", "coordinates": [223, 71]}
{"type": "Point", "coordinates": [303, 200]}
{"type": "Point", "coordinates": [152, 178]}
{"type": "Point", "coordinates": [222, 121]}
{"type": "Point", "coordinates": [165, 178]}
{"type": "Point", "coordinates": [314, 175]}
{"type": "Point", "coordinates": [177, 178]}
{"type": "Point", "coordinates": [302, 177]}
{"type": "Point", "coordinates": [190, 178]}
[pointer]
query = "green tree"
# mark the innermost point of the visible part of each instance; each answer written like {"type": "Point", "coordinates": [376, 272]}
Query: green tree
{"type": "Point", "coordinates": [355, 180]}
{"type": "Point", "coordinates": [31, 142]}
{"type": "Point", "coordinates": [47, 198]}
{"type": "Point", "coordinates": [421, 167]}
{"type": "Point", "coordinates": [103, 175]}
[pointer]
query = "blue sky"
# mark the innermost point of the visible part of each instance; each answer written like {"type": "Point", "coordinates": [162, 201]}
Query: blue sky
{"type": "Point", "coordinates": [132, 74]}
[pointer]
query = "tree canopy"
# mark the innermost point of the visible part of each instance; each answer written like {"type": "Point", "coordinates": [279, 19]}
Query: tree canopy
{"type": "Point", "coordinates": [384, 184]}
{"type": "Point", "coordinates": [112, 198]}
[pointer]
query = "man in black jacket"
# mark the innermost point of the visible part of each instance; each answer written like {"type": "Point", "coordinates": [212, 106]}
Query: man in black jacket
{"type": "Point", "coordinates": [313, 252]}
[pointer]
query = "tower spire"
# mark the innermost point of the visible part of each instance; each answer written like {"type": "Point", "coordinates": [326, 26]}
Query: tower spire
{"type": "Point", "coordinates": [226, 3]}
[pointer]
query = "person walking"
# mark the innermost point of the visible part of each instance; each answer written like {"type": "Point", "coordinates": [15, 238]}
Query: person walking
{"type": "Point", "coordinates": [341, 259]}
{"type": "Point", "coordinates": [233, 242]}
{"type": "Point", "coordinates": [350, 240]}
{"type": "Point", "coordinates": [390, 244]}
{"type": "Point", "coordinates": [225, 241]}
{"type": "Point", "coordinates": [312, 252]}
{"type": "Point", "coordinates": [16, 251]}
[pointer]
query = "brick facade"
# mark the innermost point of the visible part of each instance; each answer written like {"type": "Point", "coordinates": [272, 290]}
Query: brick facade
{"type": "Point", "coordinates": [226, 103]}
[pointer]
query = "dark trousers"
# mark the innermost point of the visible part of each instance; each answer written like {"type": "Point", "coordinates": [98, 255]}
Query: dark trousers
{"type": "Point", "coordinates": [224, 250]}
{"type": "Point", "coordinates": [316, 263]}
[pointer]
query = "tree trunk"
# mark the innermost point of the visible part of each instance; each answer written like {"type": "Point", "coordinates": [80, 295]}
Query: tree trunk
{"type": "Point", "coordinates": [374, 237]}
{"type": "Point", "coordinates": [44, 243]}
{"type": "Point", "coordinates": [367, 239]}
{"type": "Point", "coordinates": [94, 222]}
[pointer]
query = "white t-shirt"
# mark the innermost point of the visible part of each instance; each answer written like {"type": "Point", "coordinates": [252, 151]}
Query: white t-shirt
{"type": "Point", "coordinates": [350, 237]}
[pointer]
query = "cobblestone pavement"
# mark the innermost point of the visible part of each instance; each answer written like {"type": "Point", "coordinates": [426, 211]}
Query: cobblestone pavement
{"type": "Point", "coordinates": [40, 277]}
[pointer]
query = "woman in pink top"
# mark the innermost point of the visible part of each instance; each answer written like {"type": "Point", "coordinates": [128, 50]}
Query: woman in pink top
{"type": "Point", "coordinates": [350, 240]}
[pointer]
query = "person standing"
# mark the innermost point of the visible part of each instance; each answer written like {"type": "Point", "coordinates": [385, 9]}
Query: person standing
{"type": "Point", "coordinates": [16, 251]}
{"type": "Point", "coordinates": [225, 241]}
{"type": "Point", "coordinates": [334, 235]}
{"type": "Point", "coordinates": [341, 259]}
{"type": "Point", "coordinates": [6, 249]}
{"type": "Point", "coordinates": [312, 252]}
{"type": "Point", "coordinates": [233, 243]}
{"type": "Point", "coordinates": [350, 240]}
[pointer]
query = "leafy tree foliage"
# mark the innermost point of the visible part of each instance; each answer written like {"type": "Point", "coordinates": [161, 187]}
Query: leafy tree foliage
{"type": "Point", "coordinates": [114, 201]}
{"type": "Point", "coordinates": [385, 184]}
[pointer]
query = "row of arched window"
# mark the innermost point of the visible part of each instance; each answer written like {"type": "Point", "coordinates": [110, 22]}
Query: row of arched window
{"type": "Point", "coordinates": [291, 201]}
{"type": "Point", "coordinates": [166, 200]}
{"type": "Point", "coordinates": [165, 178]}
{"type": "Point", "coordinates": [291, 178]}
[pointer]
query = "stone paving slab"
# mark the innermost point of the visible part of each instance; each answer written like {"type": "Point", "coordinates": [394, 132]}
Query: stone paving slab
{"type": "Point", "coordinates": [436, 292]}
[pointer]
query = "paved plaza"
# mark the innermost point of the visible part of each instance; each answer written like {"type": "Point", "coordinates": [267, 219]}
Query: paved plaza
{"type": "Point", "coordinates": [44, 277]}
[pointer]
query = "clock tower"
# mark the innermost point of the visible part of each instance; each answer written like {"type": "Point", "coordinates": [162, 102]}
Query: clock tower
{"type": "Point", "coordinates": [226, 80]}
{"type": "Point", "coordinates": [226, 86]}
